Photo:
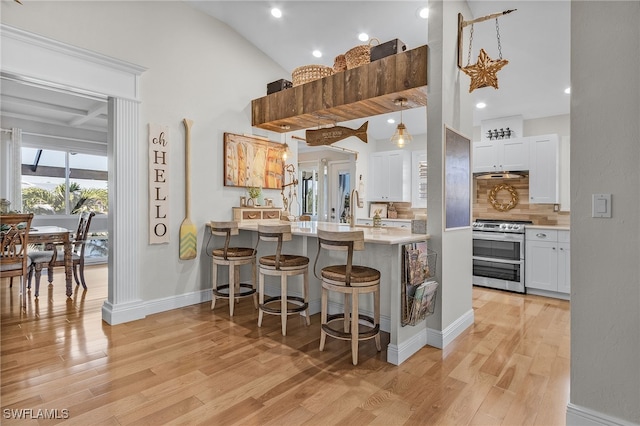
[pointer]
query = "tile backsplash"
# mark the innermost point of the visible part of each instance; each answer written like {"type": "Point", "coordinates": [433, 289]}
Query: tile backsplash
{"type": "Point", "coordinates": [539, 214]}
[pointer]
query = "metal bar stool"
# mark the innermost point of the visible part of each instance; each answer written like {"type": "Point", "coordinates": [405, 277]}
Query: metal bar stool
{"type": "Point", "coordinates": [284, 266]}
{"type": "Point", "coordinates": [233, 257]}
{"type": "Point", "coordinates": [352, 281]}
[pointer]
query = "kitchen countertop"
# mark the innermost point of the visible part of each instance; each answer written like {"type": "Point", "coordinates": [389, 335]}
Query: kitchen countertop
{"type": "Point", "coordinates": [388, 219]}
{"type": "Point", "coordinates": [556, 227]}
{"type": "Point", "coordinates": [384, 235]}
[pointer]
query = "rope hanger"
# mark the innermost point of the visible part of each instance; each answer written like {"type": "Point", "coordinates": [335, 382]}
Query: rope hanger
{"type": "Point", "coordinates": [483, 72]}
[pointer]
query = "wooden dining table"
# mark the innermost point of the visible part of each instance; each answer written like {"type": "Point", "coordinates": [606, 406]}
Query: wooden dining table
{"type": "Point", "coordinates": [56, 235]}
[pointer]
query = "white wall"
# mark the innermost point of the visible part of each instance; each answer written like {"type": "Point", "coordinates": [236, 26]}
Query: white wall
{"type": "Point", "coordinates": [605, 253]}
{"type": "Point", "coordinates": [198, 69]}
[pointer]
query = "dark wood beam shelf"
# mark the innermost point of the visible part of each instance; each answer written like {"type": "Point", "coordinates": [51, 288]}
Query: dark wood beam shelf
{"type": "Point", "coordinates": [361, 92]}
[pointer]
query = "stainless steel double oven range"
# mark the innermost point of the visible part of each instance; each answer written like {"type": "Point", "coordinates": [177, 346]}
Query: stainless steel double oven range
{"type": "Point", "coordinates": [498, 254]}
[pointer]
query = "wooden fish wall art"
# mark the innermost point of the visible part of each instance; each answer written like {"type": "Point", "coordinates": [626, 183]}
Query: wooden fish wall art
{"type": "Point", "coordinates": [334, 134]}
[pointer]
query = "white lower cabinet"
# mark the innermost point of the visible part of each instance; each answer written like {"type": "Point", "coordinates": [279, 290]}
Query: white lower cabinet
{"type": "Point", "coordinates": [547, 265]}
{"type": "Point", "coordinates": [399, 223]}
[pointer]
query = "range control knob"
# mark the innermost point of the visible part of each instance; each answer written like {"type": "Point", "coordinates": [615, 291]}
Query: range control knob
{"type": "Point", "coordinates": [516, 227]}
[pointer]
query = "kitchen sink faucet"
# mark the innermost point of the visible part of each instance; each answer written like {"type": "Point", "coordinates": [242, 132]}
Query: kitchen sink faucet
{"type": "Point", "coordinates": [353, 200]}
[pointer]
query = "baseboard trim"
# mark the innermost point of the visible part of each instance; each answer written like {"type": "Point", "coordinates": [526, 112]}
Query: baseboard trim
{"type": "Point", "coordinates": [397, 354]}
{"type": "Point", "coordinates": [132, 311]}
{"type": "Point", "coordinates": [440, 339]}
{"type": "Point", "coordinates": [123, 312]}
{"type": "Point", "coordinates": [582, 416]}
{"type": "Point", "coordinates": [180, 301]}
{"type": "Point", "coordinates": [546, 293]}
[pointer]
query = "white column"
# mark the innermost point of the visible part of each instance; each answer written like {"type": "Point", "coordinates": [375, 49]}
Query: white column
{"type": "Point", "coordinates": [124, 302]}
{"type": "Point", "coordinates": [16, 169]}
{"type": "Point", "coordinates": [449, 103]}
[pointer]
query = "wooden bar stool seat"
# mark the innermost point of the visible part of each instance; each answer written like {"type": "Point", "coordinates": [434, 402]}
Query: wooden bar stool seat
{"type": "Point", "coordinates": [351, 281]}
{"type": "Point", "coordinates": [233, 257]}
{"type": "Point", "coordinates": [284, 266]}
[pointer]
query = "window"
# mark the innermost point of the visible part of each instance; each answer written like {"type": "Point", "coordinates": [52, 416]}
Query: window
{"type": "Point", "coordinates": [63, 182]}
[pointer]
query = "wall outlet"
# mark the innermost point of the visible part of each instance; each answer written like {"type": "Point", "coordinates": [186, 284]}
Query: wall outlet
{"type": "Point", "coordinates": [556, 208]}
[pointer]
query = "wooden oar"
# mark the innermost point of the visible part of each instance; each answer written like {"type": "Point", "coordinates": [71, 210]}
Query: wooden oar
{"type": "Point", "coordinates": [188, 233]}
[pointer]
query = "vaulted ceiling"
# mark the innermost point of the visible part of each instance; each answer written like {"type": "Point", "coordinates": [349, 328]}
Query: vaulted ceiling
{"type": "Point", "coordinates": [535, 40]}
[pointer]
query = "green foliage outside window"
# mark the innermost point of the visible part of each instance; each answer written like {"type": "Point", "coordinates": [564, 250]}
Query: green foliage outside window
{"type": "Point", "coordinates": [41, 201]}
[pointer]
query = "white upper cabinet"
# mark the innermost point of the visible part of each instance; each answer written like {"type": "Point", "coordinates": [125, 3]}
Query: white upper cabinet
{"type": "Point", "coordinates": [501, 155]}
{"type": "Point", "coordinates": [544, 165]}
{"type": "Point", "coordinates": [390, 173]}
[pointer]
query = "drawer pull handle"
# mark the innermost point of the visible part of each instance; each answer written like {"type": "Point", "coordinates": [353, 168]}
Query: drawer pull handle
{"type": "Point", "coordinates": [271, 215]}
{"type": "Point", "coordinates": [541, 235]}
{"type": "Point", "coordinates": [252, 216]}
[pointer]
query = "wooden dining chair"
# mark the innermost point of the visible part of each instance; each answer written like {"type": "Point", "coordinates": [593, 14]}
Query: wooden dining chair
{"type": "Point", "coordinates": [49, 259]}
{"type": "Point", "coordinates": [14, 260]}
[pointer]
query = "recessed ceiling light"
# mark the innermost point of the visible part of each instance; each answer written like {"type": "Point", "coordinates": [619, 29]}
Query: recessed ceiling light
{"type": "Point", "coordinates": [391, 121]}
{"type": "Point", "coordinates": [276, 13]}
{"type": "Point", "coordinates": [424, 13]}
{"type": "Point", "coordinates": [480, 105]}
{"type": "Point", "coordinates": [567, 90]}
{"type": "Point", "coordinates": [363, 36]}
{"type": "Point", "coordinates": [317, 54]}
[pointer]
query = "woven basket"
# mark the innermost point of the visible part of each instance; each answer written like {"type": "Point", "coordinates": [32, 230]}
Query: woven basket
{"type": "Point", "coordinates": [307, 73]}
{"type": "Point", "coordinates": [340, 63]}
{"type": "Point", "coordinates": [359, 55]}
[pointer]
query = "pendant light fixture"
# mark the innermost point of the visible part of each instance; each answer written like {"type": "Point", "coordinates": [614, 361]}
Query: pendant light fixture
{"type": "Point", "coordinates": [286, 152]}
{"type": "Point", "coordinates": [401, 137]}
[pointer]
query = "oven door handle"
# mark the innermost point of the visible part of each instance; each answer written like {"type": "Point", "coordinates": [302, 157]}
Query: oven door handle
{"type": "Point", "coordinates": [494, 260]}
{"type": "Point", "coordinates": [501, 237]}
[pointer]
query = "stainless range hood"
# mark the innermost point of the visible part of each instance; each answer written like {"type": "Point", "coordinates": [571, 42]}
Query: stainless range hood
{"type": "Point", "coordinates": [500, 175]}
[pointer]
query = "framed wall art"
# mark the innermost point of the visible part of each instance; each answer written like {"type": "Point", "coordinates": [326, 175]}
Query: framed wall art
{"type": "Point", "coordinates": [251, 161]}
{"type": "Point", "coordinates": [457, 180]}
{"type": "Point", "coordinates": [380, 207]}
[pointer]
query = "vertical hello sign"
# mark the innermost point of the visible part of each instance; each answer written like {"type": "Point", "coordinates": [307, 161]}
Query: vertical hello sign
{"type": "Point", "coordinates": [158, 184]}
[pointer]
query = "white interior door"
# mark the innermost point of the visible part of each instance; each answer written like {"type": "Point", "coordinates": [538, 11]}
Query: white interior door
{"type": "Point", "coordinates": [340, 182]}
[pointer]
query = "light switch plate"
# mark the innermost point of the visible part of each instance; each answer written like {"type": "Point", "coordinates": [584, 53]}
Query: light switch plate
{"type": "Point", "coordinates": [600, 205]}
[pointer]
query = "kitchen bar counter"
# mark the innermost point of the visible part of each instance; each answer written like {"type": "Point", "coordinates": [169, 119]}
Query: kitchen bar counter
{"type": "Point", "coordinates": [383, 251]}
{"type": "Point", "coordinates": [383, 235]}
{"type": "Point", "coordinates": [556, 227]}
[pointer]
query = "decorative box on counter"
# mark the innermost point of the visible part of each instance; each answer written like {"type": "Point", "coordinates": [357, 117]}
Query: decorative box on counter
{"type": "Point", "coordinates": [419, 224]}
{"type": "Point", "coordinates": [278, 85]}
{"type": "Point", "coordinates": [387, 49]}
{"type": "Point", "coordinates": [253, 214]}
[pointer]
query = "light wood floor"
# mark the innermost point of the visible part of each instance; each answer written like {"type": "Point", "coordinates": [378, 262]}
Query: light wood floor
{"type": "Point", "coordinates": [194, 366]}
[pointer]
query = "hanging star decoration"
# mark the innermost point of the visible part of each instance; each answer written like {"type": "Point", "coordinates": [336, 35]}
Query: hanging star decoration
{"type": "Point", "coordinates": [483, 73]}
